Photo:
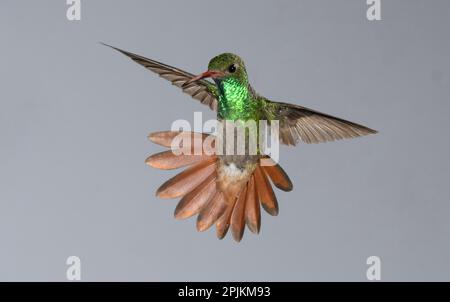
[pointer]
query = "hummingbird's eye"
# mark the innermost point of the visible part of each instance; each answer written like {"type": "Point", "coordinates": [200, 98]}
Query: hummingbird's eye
{"type": "Point", "coordinates": [232, 68]}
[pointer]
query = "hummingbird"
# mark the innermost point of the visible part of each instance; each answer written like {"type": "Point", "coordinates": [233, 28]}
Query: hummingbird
{"type": "Point", "coordinates": [228, 190]}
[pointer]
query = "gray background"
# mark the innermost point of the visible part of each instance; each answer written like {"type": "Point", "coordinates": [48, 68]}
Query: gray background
{"type": "Point", "coordinates": [75, 115]}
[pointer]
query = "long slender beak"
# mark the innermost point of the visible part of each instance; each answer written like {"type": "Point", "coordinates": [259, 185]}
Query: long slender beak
{"type": "Point", "coordinates": [207, 74]}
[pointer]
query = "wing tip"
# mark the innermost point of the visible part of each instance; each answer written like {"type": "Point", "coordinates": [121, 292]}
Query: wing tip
{"type": "Point", "coordinates": [124, 52]}
{"type": "Point", "coordinates": [110, 46]}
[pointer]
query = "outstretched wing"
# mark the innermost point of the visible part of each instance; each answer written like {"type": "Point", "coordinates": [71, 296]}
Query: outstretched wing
{"type": "Point", "coordinates": [300, 123]}
{"type": "Point", "coordinates": [203, 90]}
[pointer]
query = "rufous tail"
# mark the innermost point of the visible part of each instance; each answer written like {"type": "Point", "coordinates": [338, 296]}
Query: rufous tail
{"type": "Point", "coordinates": [200, 194]}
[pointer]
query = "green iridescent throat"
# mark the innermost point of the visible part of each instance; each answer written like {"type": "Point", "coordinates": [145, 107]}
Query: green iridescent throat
{"type": "Point", "coordinates": [234, 103]}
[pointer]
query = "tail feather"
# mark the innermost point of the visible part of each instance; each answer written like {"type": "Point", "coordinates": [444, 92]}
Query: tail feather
{"type": "Point", "coordinates": [223, 223]}
{"type": "Point", "coordinates": [278, 177]}
{"type": "Point", "coordinates": [193, 202]}
{"type": "Point", "coordinates": [165, 138]}
{"type": "Point", "coordinates": [252, 208]}
{"type": "Point", "coordinates": [215, 207]}
{"type": "Point", "coordinates": [187, 180]}
{"type": "Point", "coordinates": [167, 160]}
{"type": "Point", "coordinates": [265, 192]}
{"type": "Point", "coordinates": [201, 194]}
{"type": "Point", "coordinates": [238, 216]}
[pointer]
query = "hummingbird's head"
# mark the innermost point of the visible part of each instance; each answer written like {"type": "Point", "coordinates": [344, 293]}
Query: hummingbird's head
{"type": "Point", "coordinates": [227, 65]}
{"type": "Point", "coordinates": [224, 66]}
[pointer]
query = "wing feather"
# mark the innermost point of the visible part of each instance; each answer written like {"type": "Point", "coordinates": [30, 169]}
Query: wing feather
{"type": "Point", "coordinates": [202, 90]}
{"type": "Point", "coordinates": [299, 123]}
